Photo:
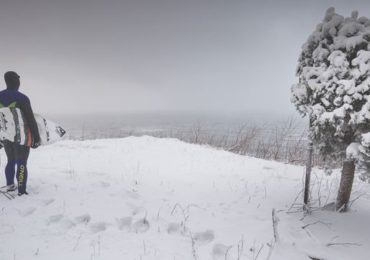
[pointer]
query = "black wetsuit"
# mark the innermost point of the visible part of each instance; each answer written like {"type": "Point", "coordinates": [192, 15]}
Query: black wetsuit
{"type": "Point", "coordinates": [18, 154]}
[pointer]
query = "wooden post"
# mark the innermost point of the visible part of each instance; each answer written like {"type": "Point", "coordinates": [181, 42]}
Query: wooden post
{"type": "Point", "coordinates": [308, 170]}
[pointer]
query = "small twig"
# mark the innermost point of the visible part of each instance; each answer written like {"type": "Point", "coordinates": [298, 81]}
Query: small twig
{"type": "Point", "coordinates": [315, 258]}
{"type": "Point", "coordinates": [314, 223]}
{"type": "Point", "coordinates": [275, 221]}
{"type": "Point", "coordinates": [159, 211]}
{"type": "Point", "coordinates": [341, 209]}
{"type": "Point", "coordinates": [343, 244]}
{"type": "Point", "coordinates": [78, 242]}
{"type": "Point", "coordinates": [258, 253]}
{"type": "Point", "coordinates": [99, 244]}
{"type": "Point", "coordinates": [295, 200]}
{"type": "Point", "coordinates": [240, 248]}
{"type": "Point", "coordinates": [182, 210]}
{"type": "Point", "coordinates": [193, 250]}
{"type": "Point", "coordinates": [358, 197]}
{"type": "Point", "coordinates": [300, 210]}
{"type": "Point", "coordinates": [271, 245]}
{"type": "Point", "coordinates": [329, 193]}
{"type": "Point", "coordinates": [227, 251]}
{"type": "Point", "coordinates": [144, 247]}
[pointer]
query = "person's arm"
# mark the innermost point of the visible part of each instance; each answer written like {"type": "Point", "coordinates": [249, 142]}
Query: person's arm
{"type": "Point", "coordinates": [29, 116]}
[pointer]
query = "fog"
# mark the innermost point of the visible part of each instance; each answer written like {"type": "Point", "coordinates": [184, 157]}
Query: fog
{"type": "Point", "coordinates": [196, 56]}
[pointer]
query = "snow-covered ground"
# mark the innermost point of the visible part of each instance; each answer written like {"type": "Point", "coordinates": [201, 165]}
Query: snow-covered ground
{"type": "Point", "coordinates": [150, 198]}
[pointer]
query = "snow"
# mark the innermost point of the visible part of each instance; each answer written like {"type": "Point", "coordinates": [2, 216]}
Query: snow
{"type": "Point", "coordinates": [365, 140]}
{"type": "Point", "coordinates": [338, 60]}
{"type": "Point", "coordinates": [362, 61]}
{"type": "Point", "coordinates": [151, 198]}
{"type": "Point", "coordinates": [353, 151]}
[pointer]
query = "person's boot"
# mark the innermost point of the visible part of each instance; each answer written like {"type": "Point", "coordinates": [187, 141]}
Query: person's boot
{"type": "Point", "coordinates": [22, 193]}
{"type": "Point", "coordinates": [11, 187]}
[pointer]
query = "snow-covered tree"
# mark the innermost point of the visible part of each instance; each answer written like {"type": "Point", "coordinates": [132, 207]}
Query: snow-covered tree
{"type": "Point", "coordinates": [363, 156]}
{"type": "Point", "coordinates": [334, 90]}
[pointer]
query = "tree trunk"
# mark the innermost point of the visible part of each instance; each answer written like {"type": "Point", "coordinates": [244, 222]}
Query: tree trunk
{"type": "Point", "coordinates": [345, 188]}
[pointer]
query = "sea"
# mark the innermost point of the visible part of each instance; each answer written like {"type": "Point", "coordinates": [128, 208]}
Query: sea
{"type": "Point", "coordinates": [184, 126]}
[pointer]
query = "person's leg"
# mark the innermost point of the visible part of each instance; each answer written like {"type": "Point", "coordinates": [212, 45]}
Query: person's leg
{"type": "Point", "coordinates": [22, 153]}
{"type": "Point", "coordinates": [10, 166]}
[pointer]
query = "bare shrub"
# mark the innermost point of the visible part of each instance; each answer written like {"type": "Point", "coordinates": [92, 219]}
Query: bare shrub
{"type": "Point", "coordinates": [285, 141]}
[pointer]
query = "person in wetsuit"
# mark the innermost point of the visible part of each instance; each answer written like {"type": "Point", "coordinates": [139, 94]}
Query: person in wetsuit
{"type": "Point", "coordinates": [17, 155]}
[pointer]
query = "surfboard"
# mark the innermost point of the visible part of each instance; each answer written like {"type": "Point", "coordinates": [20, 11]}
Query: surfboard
{"type": "Point", "coordinates": [13, 127]}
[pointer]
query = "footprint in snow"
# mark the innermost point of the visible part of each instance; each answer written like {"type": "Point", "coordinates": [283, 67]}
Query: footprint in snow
{"type": "Point", "coordinates": [62, 221]}
{"type": "Point", "coordinates": [202, 238]}
{"type": "Point", "coordinates": [219, 251]}
{"type": "Point", "coordinates": [104, 184]}
{"type": "Point", "coordinates": [96, 173]}
{"type": "Point", "coordinates": [48, 202]}
{"type": "Point", "coordinates": [66, 224]}
{"type": "Point", "coordinates": [135, 209]}
{"type": "Point", "coordinates": [176, 228]}
{"type": "Point", "coordinates": [132, 195]}
{"type": "Point", "coordinates": [27, 212]}
{"type": "Point", "coordinates": [124, 223]}
{"type": "Point", "coordinates": [98, 227]}
{"type": "Point", "coordinates": [6, 229]}
{"type": "Point", "coordinates": [55, 218]}
{"type": "Point", "coordinates": [83, 219]}
{"type": "Point", "coordinates": [141, 226]}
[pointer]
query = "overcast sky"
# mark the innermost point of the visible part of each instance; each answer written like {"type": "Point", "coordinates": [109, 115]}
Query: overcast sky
{"type": "Point", "coordinates": [234, 56]}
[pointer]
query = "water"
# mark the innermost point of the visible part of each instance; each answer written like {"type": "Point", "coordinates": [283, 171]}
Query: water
{"type": "Point", "coordinates": [82, 127]}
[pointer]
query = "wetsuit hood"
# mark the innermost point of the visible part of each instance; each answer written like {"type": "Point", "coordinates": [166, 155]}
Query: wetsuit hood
{"type": "Point", "coordinates": [12, 80]}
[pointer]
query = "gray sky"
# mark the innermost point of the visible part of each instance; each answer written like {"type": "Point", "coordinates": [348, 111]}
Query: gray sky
{"type": "Point", "coordinates": [235, 56]}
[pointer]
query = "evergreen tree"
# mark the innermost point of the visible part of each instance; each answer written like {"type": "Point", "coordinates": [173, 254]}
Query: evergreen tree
{"type": "Point", "coordinates": [334, 90]}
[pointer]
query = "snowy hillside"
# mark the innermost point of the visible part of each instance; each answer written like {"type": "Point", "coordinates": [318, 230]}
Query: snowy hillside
{"type": "Point", "coordinates": [149, 198]}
